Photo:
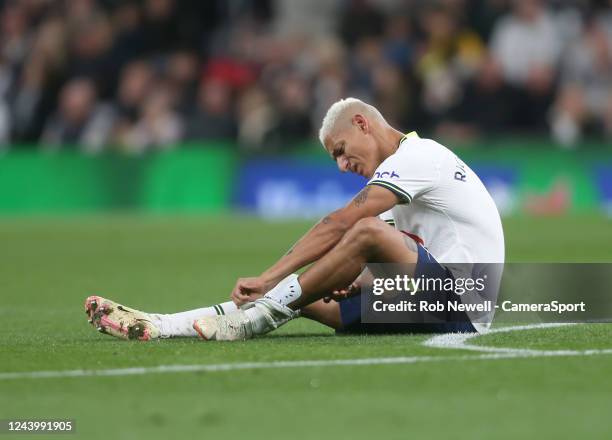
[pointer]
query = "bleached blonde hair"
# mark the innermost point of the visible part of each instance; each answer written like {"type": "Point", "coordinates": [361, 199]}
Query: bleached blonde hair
{"type": "Point", "coordinates": [342, 111]}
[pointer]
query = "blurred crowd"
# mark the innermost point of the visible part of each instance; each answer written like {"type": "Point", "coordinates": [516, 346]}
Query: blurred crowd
{"type": "Point", "coordinates": [137, 75]}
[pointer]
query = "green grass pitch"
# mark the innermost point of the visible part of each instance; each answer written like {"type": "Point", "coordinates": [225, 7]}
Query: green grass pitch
{"type": "Point", "coordinates": [164, 264]}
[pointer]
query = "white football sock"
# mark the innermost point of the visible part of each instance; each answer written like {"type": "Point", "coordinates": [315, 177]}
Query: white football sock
{"type": "Point", "coordinates": [181, 324]}
{"type": "Point", "coordinates": [287, 291]}
{"type": "Point", "coordinates": [266, 314]}
{"type": "Point", "coordinates": [271, 311]}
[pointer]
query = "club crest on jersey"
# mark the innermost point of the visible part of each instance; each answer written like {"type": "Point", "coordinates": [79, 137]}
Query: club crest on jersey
{"type": "Point", "coordinates": [386, 174]}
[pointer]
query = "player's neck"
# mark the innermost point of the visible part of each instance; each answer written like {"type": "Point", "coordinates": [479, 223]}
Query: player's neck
{"type": "Point", "coordinates": [389, 142]}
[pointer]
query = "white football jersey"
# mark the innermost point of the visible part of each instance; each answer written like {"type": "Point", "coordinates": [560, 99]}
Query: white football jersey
{"type": "Point", "coordinates": [442, 202]}
{"type": "Point", "coordinates": [445, 206]}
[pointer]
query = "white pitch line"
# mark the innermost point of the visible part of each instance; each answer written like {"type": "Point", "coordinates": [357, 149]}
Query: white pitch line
{"type": "Point", "coordinates": [224, 367]}
{"type": "Point", "coordinates": [459, 341]}
{"type": "Point", "coordinates": [162, 369]}
{"type": "Point", "coordinates": [454, 341]}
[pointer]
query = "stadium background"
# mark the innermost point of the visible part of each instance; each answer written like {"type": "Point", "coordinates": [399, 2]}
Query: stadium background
{"type": "Point", "coordinates": [166, 106]}
{"type": "Point", "coordinates": [152, 151]}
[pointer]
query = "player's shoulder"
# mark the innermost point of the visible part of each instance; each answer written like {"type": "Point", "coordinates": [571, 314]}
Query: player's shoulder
{"type": "Point", "coordinates": [414, 145]}
{"type": "Point", "coordinates": [416, 150]}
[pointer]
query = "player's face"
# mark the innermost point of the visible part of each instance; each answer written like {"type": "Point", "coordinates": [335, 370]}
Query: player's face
{"type": "Point", "coordinates": [354, 150]}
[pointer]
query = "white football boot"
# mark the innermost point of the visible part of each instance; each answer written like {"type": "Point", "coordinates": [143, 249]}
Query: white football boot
{"type": "Point", "coordinates": [120, 321]}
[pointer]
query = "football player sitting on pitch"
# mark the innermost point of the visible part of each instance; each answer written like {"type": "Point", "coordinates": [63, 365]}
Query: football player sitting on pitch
{"type": "Point", "coordinates": [441, 217]}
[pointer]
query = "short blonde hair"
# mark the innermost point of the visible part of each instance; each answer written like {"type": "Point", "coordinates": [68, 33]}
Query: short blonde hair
{"type": "Point", "coordinates": [344, 109]}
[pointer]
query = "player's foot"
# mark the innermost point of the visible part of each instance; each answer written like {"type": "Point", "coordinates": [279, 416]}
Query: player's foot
{"type": "Point", "coordinates": [234, 326]}
{"type": "Point", "coordinates": [255, 318]}
{"type": "Point", "coordinates": [120, 321]}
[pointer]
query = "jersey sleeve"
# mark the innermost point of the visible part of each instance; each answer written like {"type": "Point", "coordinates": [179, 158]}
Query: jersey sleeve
{"type": "Point", "coordinates": [408, 173]}
{"type": "Point", "coordinates": [387, 217]}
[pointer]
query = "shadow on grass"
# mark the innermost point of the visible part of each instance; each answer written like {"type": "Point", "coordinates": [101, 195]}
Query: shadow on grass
{"type": "Point", "coordinates": [298, 335]}
{"type": "Point", "coordinates": [193, 340]}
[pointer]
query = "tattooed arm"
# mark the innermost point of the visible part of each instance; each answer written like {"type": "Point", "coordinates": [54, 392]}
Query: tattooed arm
{"type": "Point", "coordinates": [369, 202]}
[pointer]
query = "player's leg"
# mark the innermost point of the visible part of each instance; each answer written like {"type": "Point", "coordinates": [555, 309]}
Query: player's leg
{"type": "Point", "coordinates": [344, 316]}
{"type": "Point", "coordinates": [370, 240]}
{"type": "Point", "coordinates": [327, 313]}
{"type": "Point", "coordinates": [338, 314]}
{"type": "Point", "coordinates": [124, 322]}
{"type": "Point", "coordinates": [181, 324]}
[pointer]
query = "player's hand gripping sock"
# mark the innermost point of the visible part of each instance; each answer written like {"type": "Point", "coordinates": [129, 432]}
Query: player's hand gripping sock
{"type": "Point", "coordinates": [120, 321]}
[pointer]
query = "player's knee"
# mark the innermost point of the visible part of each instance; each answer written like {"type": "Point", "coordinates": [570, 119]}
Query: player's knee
{"type": "Point", "coordinates": [365, 232]}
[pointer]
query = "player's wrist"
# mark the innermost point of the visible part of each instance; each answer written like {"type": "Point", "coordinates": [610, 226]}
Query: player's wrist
{"type": "Point", "coordinates": [269, 281]}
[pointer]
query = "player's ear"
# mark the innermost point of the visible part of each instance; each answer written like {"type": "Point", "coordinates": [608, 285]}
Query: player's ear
{"type": "Point", "coordinates": [361, 123]}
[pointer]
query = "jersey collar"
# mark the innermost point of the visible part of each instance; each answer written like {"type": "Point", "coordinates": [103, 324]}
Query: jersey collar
{"type": "Point", "coordinates": [412, 134]}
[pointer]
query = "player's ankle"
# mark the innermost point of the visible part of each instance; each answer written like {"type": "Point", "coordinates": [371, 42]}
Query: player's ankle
{"type": "Point", "coordinates": [267, 314]}
{"type": "Point", "coordinates": [287, 291]}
